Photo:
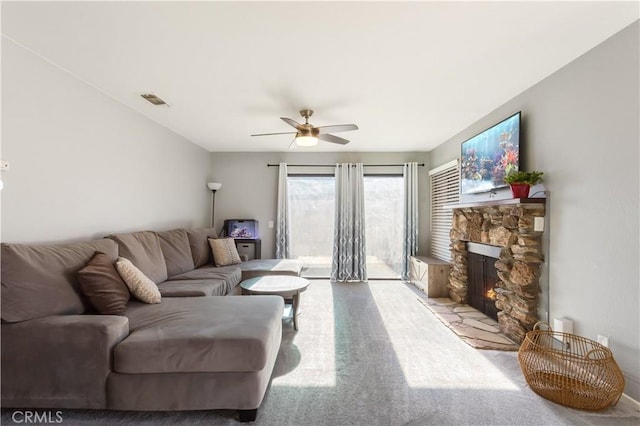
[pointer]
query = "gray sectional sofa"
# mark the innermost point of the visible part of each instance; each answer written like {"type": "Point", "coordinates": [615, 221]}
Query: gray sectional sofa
{"type": "Point", "coordinates": [202, 347]}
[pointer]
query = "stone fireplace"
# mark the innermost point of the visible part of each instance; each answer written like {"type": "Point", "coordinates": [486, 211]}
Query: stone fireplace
{"type": "Point", "coordinates": [514, 227]}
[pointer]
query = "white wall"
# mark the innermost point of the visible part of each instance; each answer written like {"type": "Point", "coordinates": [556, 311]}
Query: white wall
{"type": "Point", "coordinates": [250, 188]}
{"type": "Point", "coordinates": [581, 127]}
{"type": "Point", "coordinates": [83, 165]}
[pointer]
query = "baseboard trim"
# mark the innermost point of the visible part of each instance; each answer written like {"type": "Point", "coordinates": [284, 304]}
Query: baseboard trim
{"type": "Point", "coordinates": [631, 400]}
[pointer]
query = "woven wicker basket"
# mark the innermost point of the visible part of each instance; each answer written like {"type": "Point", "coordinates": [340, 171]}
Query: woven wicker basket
{"type": "Point", "coordinates": [570, 370]}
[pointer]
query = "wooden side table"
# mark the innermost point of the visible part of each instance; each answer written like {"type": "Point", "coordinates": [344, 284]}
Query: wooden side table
{"type": "Point", "coordinates": [430, 275]}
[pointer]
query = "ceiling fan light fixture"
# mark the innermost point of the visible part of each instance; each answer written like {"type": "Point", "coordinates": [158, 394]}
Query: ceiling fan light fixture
{"type": "Point", "coordinates": [306, 140]}
{"type": "Point", "coordinates": [308, 135]}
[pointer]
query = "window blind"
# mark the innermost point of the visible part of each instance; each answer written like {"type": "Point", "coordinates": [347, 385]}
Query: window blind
{"type": "Point", "coordinates": [445, 189]}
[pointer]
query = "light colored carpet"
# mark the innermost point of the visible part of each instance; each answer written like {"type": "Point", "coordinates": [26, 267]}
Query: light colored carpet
{"type": "Point", "coordinates": [372, 354]}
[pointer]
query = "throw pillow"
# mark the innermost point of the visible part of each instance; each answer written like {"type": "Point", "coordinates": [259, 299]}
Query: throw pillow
{"type": "Point", "coordinates": [101, 284]}
{"type": "Point", "coordinates": [139, 284]}
{"type": "Point", "coordinates": [224, 251]}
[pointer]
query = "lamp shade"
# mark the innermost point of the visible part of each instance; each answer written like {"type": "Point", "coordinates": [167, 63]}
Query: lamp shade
{"type": "Point", "coordinates": [214, 186]}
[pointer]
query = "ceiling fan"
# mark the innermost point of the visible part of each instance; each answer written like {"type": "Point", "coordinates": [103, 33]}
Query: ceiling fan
{"type": "Point", "coordinates": [308, 135]}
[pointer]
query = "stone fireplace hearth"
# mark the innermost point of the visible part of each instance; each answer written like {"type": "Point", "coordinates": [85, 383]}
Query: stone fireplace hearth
{"type": "Point", "coordinates": [515, 226]}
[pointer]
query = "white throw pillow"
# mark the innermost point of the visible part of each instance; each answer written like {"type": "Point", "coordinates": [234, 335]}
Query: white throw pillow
{"type": "Point", "coordinates": [139, 284]}
{"type": "Point", "coordinates": [224, 251]}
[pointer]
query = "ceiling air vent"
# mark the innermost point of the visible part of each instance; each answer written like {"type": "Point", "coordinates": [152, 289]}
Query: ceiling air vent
{"type": "Point", "coordinates": [154, 99]}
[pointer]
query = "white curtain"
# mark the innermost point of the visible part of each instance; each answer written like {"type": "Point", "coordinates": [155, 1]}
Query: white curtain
{"type": "Point", "coordinates": [283, 249]}
{"type": "Point", "coordinates": [349, 261]}
{"type": "Point", "coordinates": [410, 222]}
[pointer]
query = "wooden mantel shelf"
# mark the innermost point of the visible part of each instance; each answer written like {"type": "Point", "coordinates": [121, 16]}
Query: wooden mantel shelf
{"type": "Point", "coordinates": [491, 203]}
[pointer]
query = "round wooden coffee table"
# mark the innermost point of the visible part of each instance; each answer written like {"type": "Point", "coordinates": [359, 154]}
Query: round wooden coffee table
{"type": "Point", "coordinates": [287, 286]}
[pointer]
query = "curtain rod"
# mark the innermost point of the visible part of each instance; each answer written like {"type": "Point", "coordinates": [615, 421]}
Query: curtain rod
{"type": "Point", "coordinates": [333, 165]}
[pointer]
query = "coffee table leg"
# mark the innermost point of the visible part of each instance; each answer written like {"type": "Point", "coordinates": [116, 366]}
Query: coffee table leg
{"type": "Point", "coordinates": [294, 307]}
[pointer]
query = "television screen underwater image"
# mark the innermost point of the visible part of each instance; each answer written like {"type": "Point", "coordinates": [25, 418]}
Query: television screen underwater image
{"type": "Point", "coordinates": [489, 156]}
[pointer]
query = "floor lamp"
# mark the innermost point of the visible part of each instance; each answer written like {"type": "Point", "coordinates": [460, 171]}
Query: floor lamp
{"type": "Point", "coordinates": [213, 186]}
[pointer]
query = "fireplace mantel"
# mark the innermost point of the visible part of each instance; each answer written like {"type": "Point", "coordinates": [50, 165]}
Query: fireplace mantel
{"type": "Point", "coordinates": [491, 203]}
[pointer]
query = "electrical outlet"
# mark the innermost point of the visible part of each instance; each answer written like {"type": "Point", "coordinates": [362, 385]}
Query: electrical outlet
{"type": "Point", "coordinates": [270, 224]}
{"type": "Point", "coordinates": [4, 165]}
{"type": "Point", "coordinates": [603, 340]}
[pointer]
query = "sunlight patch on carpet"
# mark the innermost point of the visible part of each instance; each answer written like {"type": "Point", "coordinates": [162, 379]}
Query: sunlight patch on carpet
{"type": "Point", "coordinates": [428, 354]}
{"type": "Point", "coordinates": [307, 357]}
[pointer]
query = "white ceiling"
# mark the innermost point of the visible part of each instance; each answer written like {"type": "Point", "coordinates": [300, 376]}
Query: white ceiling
{"type": "Point", "coordinates": [409, 74]}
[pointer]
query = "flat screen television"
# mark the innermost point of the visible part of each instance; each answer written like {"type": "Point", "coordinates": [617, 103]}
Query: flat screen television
{"type": "Point", "coordinates": [489, 156]}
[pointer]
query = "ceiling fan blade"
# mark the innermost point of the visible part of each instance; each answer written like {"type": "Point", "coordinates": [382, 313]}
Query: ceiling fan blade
{"type": "Point", "coordinates": [278, 133]}
{"type": "Point", "coordinates": [292, 144]}
{"type": "Point", "coordinates": [333, 139]}
{"type": "Point", "coordinates": [291, 122]}
{"type": "Point", "coordinates": [337, 128]}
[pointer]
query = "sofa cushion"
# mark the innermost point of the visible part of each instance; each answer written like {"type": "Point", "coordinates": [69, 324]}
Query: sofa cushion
{"type": "Point", "coordinates": [200, 249]}
{"type": "Point", "coordinates": [193, 288]}
{"type": "Point", "coordinates": [259, 267]}
{"type": "Point", "coordinates": [103, 286]}
{"type": "Point", "coordinates": [200, 334]}
{"type": "Point", "coordinates": [207, 281]}
{"type": "Point", "coordinates": [229, 275]}
{"type": "Point", "coordinates": [139, 284]}
{"type": "Point", "coordinates": [41, 280]}
{"type": "Point", "coordinates": [176, 250]}
{"type": "Point", "coordinates": [143, 250]}
{"type": "Point", "coordinates": [225, 252]}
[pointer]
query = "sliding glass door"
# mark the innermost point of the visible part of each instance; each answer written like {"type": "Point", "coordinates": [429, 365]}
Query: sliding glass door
{"type": "Point", "coordinates": [312, 201]}
{"type": "Point", "coordinates": [383, 206]}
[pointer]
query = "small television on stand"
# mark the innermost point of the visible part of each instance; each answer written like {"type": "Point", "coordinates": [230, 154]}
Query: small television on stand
{"type": "Point", "coordinates": [241, 229]}
{"type": "Point", "coordinates": [489, 156]}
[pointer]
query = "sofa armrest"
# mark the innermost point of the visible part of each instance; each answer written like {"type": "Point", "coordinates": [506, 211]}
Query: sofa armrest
{"type": "Point", "coordinates": [59, 361]}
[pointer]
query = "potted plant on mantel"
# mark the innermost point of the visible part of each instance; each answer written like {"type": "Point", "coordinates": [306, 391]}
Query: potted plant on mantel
{"type": "Point", "coordinates": [521, 182]}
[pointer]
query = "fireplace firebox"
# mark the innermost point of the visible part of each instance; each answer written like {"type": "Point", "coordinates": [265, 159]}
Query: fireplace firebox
{"type": "Point", "coordinates": [482, 277]}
